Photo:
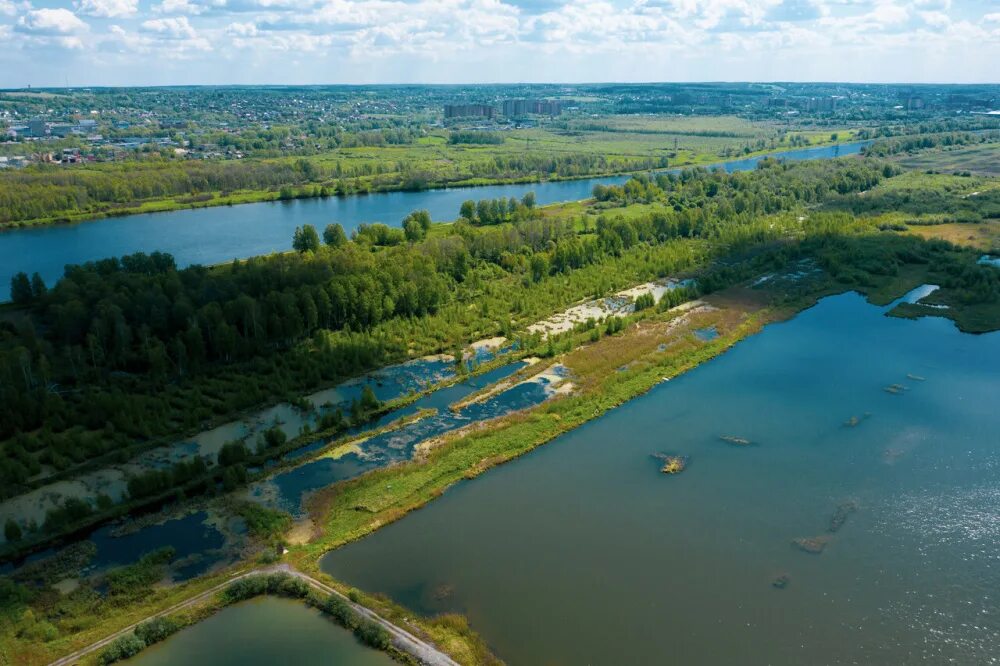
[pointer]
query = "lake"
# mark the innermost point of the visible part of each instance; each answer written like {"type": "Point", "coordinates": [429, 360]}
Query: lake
{"type": "Point", "coordinates": [872, 436]}
{"type": "Point", "coordinates": [265, 631]}
{"type": "Point", "coordinates": [222, 233]}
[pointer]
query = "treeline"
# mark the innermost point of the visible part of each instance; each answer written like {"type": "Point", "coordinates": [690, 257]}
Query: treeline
{"type": "Point", "coordinates": [907, 144]}
{"type": "Point", "coordinates": [486, 212]}
{"type": "Point", "coordinates": [48, 192]}
{"type": "Point", "coordinates": [773, 186]}
{"type": "Point", "coordinates": [475, 138]}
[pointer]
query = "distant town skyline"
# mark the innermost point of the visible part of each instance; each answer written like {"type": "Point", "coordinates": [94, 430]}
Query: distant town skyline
{"type": "Point", "coordinates": [176, 42]}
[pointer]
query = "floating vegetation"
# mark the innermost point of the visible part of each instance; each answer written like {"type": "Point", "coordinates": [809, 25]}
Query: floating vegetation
{"type": "Point", "coordinates": [674, 465]}
{"type": "Point", "coordinates": [812, 545]}
{"type": "Point", "coordinates": [781, 581]}
{"type": "Point", "coordinates": [916, 378]}
{"type": "Point", "coordinates": [895, 389]}
{"type": "Point", "coordinates": [840, 515]}
{"type": "Point", "coordinates": [735, 441]}
{"type": "Point", "coordinates": [443, 591]}
{"type": "Point", "coordinates": [855, 421]}
{"type": "Point", "coordinates": [671, 464]}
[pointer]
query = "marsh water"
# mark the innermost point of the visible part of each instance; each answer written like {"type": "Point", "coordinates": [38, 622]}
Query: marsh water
{"type": "Point", "coordinates": [262, 631]}
{"type": "Point", "coordinates": [286, 490]}
{"type": "Point", "coordinates": [222, 233]}
{"type": "Point", "coordinates": [197, 539]}
{"type": "Point", "coordinates": [583, 552]}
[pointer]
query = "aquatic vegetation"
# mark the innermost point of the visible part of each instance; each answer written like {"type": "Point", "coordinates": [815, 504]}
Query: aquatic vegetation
{"type": "Point", "coordinates": [839, 517]}
{"type": "Point", "coordinates": [895, 389]}
{"type": "Point", "coordinates": [443, 591]}
{"type": "Point", "coordinates": [672, 464]}
{"type": "Point", "coordinates": [812, 545]}
{"type": "Point", "coordinates": [855, 420]}
{"type": "Point", "coordinates": [735, 441]}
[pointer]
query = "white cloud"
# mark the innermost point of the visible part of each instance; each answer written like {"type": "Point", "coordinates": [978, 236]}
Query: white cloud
{"type": "Point", "coordinates": [188, 7]}
{"type": "Point", "coordinates": [51, 22]}
{"type": "Point", "coordinates": [174, 28]}
{"type": "Point", "coordinates": [992, 18]}
{"type": "Point", "coordinates": [7, 8]}
{"type": "Point", "coordinates": [107, 8]}
{"type": "Point", "coordinates": [242, 29]}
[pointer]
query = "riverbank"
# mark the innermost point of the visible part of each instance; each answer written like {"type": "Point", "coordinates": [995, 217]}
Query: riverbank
{"type": "Point", "coordinates": [313, 190]}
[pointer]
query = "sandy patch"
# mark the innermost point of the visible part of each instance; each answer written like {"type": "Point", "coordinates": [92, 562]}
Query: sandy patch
{"type": "Point", "coordinates": [620, 303]}
{"type": "Point", "coordinates": [301, 533]}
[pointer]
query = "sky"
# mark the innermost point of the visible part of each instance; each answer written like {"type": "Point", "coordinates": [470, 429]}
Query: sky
{"type": "Point", "coordinates": [173, 42]}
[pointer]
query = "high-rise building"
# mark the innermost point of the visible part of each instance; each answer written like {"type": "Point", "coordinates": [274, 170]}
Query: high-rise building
{"type": "Point", "coordinates": [469, 111]}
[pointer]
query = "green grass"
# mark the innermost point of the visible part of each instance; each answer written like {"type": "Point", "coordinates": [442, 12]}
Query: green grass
{"type": "Point", "coordinates": [982, 159]}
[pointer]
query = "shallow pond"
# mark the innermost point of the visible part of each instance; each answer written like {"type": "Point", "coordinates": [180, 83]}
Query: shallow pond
{"type": "Point", "coordinates": [389, 383]}
{"type": "Point", "coordinates": [286, 490]}
{"type": "Point", "coordinates": [875, 434]}
{"type": "Point", "coordinates": [263, 631]}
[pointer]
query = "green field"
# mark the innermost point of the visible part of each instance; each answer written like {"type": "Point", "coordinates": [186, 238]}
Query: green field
{"type": "Point", "coordinates": [983, 159]}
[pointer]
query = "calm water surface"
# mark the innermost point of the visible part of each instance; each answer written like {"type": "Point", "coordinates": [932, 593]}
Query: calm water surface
{"type": "Point", "coordinates": [214, 235]}
{"type": "Point", "coordinates": [583, 553]}
{"type": "Point", "coordinates": [264, 631]}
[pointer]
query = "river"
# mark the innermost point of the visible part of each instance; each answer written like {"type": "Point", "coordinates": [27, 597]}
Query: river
{"type": "Point", "coordinates": [222, 233]}
{"type": "Point", "coordinates": [583, 552]}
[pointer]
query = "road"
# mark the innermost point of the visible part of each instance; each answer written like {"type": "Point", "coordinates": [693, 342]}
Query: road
{"type": "Point", "coordinates": [402, 639]}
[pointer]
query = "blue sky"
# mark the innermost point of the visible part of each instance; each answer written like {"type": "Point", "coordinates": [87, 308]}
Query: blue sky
{"type": "Point", "coordinates": [160, 42]}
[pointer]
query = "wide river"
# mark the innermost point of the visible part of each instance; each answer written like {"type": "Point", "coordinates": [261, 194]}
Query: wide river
{"type": "Point", "coordinates": [223, 233]}
{"type": "Point", "coordinates": [582, 552]}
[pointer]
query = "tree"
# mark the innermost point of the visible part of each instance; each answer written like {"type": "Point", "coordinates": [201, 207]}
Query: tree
{"type": "Point", "coordinates": [20, 289]}
{"type": "Point", "coordinates": [539, 267]}
{"type": "Point", "coordinates": [414, 232]}
{"type": "Point", "coordinates": [528, 200]}
{"type": "Point", "coordinates": [334, 235]}
{"type": "Point", "coordinates": [38, 288]}
{"type": "Point", "coordinates": [305, 239]}
{"type": "Point", "coordinates": [468, 210]}
{"type": "Point", "coordinates": [12, 531]}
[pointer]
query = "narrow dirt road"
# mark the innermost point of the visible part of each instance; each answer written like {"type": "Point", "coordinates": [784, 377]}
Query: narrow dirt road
{"type": "Point", "coordinates": [426, 652]}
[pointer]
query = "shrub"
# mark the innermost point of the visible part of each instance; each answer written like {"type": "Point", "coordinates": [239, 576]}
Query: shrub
{"type": "Point", "coordinates": [156, 630]}
{"type": "Point", "coordinates": [373, 634]}
{"type": "Point", "coordinates": [124, 647]}
{"type": "Point", "coordinates": [340, 611]}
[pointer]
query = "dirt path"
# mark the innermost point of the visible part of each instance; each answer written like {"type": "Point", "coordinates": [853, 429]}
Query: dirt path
{"type": "Point", "coordinates": [402, 639]}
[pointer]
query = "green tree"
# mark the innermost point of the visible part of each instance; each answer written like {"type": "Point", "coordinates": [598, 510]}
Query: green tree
{"type": "Point", "coordinates": [20, 289]}
{"type": "Point", "coordinates": [305, 239]}
{"type": "Point", "coordinates": [38, 288]}
{"type": "Point", "coordinates": [414, 232]}
{"type": "Point", "coordinates": [334, 235]}
{"type": "Point", "coordinates": [468, 210]}
{"type": "Point", "coordinates": [528, 200]}
{"type": "Point", "coordinates": [11, 530]}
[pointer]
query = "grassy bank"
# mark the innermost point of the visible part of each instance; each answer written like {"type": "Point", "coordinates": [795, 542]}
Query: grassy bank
{"type": "Point", "coordinates": [628, 148]}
